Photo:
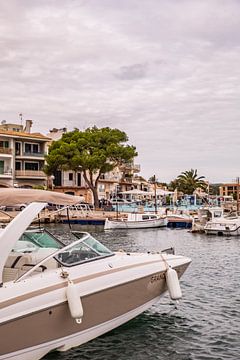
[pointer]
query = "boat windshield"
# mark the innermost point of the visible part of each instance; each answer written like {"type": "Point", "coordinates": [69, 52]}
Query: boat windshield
{"type": "Point", "coordinates": [86, 249]}
{"type": "Point", "coordinates": [32, 240]}
{"type": "Point", "coordinates": [217, 214]}
{"type": "Point", "coordinates": [38, 250]}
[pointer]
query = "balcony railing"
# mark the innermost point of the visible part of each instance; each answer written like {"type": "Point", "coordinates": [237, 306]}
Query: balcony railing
{"type": "Point", "coordinates": [30, 173]}
{"type": "Point", "coordinates": [34, 154]}
{"type": "Point", "coordinates": [4, 150]}
{"type": "Point", "coordinates": [6, 172]}
{"type": "Point", "coordinates": [127, 179]}
{"type": "Point", "coordinates": [130, 167]}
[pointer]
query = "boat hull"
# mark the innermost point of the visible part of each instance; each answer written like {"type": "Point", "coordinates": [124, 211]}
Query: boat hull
{"type": "Point", "coordinates": [77, 338]}
{"type": "Point", "coordinates": [52, 328]}
{"type": "Point", "coordinates": [222, 232]}
{"type": "Point", "coordinates": [124, 224]}
{"type": "Point", "coordinates": [222, 229]}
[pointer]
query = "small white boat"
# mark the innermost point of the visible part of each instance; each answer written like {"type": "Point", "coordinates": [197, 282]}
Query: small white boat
{"type": "Point", "coordinates": [212, 221]}
{"type": "Point", "coordinates": [136, 221]}
{"type": "Point", "coordinates": [55, 296]}
{"type": "Point", "coordinates": [222, 225]}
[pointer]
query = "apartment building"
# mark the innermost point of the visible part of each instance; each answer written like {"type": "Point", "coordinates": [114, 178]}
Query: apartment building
{"type": "Point", "coordinates": [230, 189]}
{"type": "Point", "coordinates": [119, 179]}
{"type": "Point", "coordinates": [22, 156]}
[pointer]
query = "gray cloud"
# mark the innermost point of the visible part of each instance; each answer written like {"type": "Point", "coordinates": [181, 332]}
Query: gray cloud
{"type": "Point", "coordinates": [166, 72]}
{"type": "Point", "coordinates": [132, 72]}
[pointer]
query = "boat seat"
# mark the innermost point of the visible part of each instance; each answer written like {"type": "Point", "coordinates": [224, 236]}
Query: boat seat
{"type": "Point", "coordinates": [16, 260]}
{"type": "Point", "coordinates": [10, 274]}
{"type": "Point", "coordinates": [14, 265]}
{"type": "Point", "coordinates": [18, 263]}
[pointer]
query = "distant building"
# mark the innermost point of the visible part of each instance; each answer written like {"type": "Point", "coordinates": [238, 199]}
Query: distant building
{"type": "Point", "coordinates": [229, 190]}
{"type": "Point", "coordinates": [22, 156]}
{"type": "Point", "coordinates": [120, 179]}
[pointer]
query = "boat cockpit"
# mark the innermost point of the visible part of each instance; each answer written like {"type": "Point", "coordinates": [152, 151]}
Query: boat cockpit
{"type": "Point", "coordinates": [37, 251]}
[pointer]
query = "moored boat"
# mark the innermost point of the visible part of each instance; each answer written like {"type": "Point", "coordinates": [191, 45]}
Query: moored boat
{"type": "Point", "coordinates": [213, 221]}
{"type": "Point", "coordinates": [55, 296]}
{"type": "Point", "coordinates": [136, 221]}
{"type": "Point", "coordinates": [228, 226]}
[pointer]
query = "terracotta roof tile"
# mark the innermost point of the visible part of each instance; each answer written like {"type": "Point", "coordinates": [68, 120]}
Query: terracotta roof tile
{"type": "Point", "coordinates": [24, 134]}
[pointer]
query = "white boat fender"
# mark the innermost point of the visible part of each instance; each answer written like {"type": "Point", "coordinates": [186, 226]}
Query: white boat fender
{"type": "Point", "coordinates": [74, 302]}
{"type": "Point", "coordinates": [173, 284]}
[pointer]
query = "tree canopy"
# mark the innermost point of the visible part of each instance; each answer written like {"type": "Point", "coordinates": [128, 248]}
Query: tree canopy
{"type": "Point", "coordinates": [188, 181]}
{"type": "Point", "coordinates": [93, 151]}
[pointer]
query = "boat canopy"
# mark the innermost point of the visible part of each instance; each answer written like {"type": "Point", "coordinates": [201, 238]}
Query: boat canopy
{"type": "Point", "coordinates": [13, 196]}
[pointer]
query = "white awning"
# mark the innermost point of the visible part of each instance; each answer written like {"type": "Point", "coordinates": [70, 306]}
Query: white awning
{"type": "Point", "coordinates": [161, 192]}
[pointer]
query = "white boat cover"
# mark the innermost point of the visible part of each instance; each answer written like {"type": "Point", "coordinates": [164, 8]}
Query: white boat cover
{"type": "Point", "coordinates": [13, 196]}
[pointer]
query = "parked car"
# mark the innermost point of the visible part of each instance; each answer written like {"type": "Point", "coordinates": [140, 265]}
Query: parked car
{"type": "Point", "coordinates": [17, 207]}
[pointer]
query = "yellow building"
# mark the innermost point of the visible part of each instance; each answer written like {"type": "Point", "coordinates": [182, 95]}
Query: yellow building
{"type": "Point", "coordinates": [229, 190]}
{"type": "Point", "coordinates": [22, 156]}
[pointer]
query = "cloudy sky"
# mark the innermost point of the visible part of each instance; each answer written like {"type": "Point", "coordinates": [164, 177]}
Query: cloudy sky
{"type": "Point", "coordinates": [165, 72]}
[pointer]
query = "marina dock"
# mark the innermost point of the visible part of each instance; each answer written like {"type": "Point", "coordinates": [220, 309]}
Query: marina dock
{"type": "Point", "coordinates": [93, 217]}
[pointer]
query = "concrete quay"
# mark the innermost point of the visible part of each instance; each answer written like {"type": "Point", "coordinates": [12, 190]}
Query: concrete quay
{"type": "Point", "coordinates": [91, 217]}
{"type": "Point", "coordinates": [94, 217]}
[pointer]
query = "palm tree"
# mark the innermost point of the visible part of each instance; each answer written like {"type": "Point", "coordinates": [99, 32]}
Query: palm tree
{"type": "Point", "coordinates": [189, 181]}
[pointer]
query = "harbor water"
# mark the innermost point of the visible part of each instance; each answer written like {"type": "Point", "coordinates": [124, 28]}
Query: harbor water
{"type": "Point", "coordinates": [206, 324]}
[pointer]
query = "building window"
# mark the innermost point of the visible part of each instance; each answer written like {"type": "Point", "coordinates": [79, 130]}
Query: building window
{"type": "Point", "coordinates": [70, 176]}
{"type": "Point", "coordinates": [28, 148]}
{"type": "Point", "coordinates": [1, 166]}
{"type": "Point", "coordinates": [18, 165]}
{"type": "Point", "coordinates": [31, 166]}
{"type": "Point", "coordinates": [31, 148]}
{"type": "Point", "coordinates": [35, 148]}
{"type": "Point", "coordinates": [4, 144]}
{"type": "Point", "coordinates": [79, 179]}
{"type": "Point", "coordinates": [101, 187]}
{"type": "Point", "coordinates": [58, 178]}
{"type": "Point", "coordinates": [17, 148]}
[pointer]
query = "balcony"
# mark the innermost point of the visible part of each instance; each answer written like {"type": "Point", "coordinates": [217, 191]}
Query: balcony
{"type": "Point", "coordinates": [127, 179]}
{"type": "Point", "coordinates": [108, 180]}
{"type": "Point", "coordinates": [30, 174]}
{"type": "Point", "coordinates": [6, 173]}
{"type": "Point", "coordinates": [31, 154]}
{"type": "Point", "coordinates": [130, 167]}
{"type": "Point", "coordinates": [4, 150]}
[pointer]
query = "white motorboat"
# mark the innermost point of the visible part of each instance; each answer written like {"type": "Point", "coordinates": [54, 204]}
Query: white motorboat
{"type": "Point", "coordinates": [55, 296]}
{"type": "Point", "coordinates": [213, 221]}
{"type": "Point", "coordinates": [136, 221]}
{"type": "Point", "coordinates": [218, 224]}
